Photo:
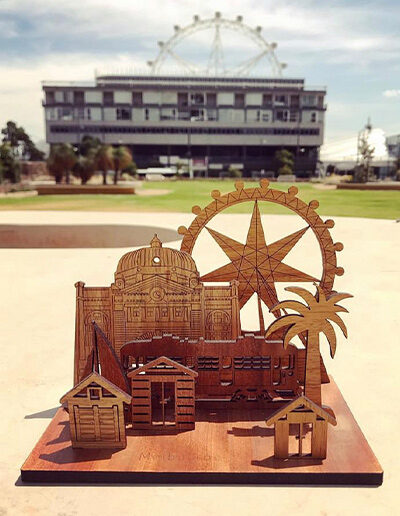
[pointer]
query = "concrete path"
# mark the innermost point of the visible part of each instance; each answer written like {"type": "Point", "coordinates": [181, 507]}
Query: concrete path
{"type": "Point", "coordinates": [37, 320]}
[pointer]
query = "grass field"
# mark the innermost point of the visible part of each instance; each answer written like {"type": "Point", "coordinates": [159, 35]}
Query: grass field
{"type": "Point", "coordinates": [184, 194]}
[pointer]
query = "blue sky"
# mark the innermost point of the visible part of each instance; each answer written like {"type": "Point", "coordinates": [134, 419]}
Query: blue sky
{"type": "Point", "coordinates": [351, 47]}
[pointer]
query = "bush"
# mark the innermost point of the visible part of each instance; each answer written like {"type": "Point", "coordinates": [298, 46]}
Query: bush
{"type": "Point", "coordinates": [130, 170]}
{"type": "Point", "coordinates": [234, 172]}
{"type": "Point", "coordinates": [285, 170]}
{"type": "Point", "coordinates": [286, 161]}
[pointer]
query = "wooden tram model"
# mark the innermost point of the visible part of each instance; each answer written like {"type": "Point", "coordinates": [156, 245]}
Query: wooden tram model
{"type": "Point", "coordinates": [249, 368]}
{"type": "Point", "coordinates": [162, 339]}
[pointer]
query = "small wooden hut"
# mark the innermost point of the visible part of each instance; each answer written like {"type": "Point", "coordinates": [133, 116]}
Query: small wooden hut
{"type": "Point", "coordinates": [163, 395]}
{"type": "Point", "coordinates": [96, 413]}
{"type": "Point", "coordinates": [301, 411]}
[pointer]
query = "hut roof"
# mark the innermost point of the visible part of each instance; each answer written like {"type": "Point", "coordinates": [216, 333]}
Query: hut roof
{"type": "Point", "coordinates": [301, 401]}
{"type": "Point", "coordinates": [163, 360]}
{"type": "Point", "coordinates": [101, 381]}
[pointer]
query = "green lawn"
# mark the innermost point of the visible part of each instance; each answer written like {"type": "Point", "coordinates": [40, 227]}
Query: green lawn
{"type": "Point", "coordinates": [184, 194]}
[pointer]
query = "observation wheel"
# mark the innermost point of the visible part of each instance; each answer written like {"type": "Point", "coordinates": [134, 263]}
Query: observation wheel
{"type": "Point", "coordinates": [257, 265]}
{"type": "Point", "coordinates": [217, 63]}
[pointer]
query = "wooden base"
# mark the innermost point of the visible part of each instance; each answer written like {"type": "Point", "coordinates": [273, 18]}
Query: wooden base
{"type": "Point", "coordinates": [231, 446]}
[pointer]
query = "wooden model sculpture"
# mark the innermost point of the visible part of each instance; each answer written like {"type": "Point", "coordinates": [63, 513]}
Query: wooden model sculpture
{"type": "Point", "coordinates": [159, 340]}
{"type": "Point", "coordinates": [168, 386]}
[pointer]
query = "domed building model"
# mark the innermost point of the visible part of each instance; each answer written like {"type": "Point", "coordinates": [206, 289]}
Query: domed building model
{"type": "Point", "coordinates": [157, 290]}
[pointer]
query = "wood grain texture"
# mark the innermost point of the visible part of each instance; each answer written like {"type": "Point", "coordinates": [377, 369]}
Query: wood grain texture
{"type": "Point", "coordinates": [306, 416]}
{"type": "Point", "coordinates": [96, 413]}
{"type": "Point", "coordinates": [157, 290]}
{"type": "Point", "coordinates": [263, 193]}
{"type": "Point", "coordinates": [160, 333]}
{"type": "Point", "coordinates": [312, 318]}
{"type": "Point", "coordinates": [175, 385]}
{"type": "Point", "coordinates": [248, 367]}
{"type": "Point", "coordinates": [225, 447]}
{"type": "Point", "coordinates": [255, 265]}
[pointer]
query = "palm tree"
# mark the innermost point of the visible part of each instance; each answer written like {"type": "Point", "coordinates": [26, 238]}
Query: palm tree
{"type": "Point", "coordinates": [122, 158]}
{"type": "Point", "coordinates": [84, 168]}
{"type": "Point", "coordinates": [313, 318]}
{"type": "Point", "coordinates": [104, 160]}
{"type": "Point", "coordinates": [61, 161]}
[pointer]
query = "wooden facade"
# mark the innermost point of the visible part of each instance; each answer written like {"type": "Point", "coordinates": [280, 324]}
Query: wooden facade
{"type": "Point", "coordinates": [157, 290]}
{"type": "Point", "coordinates": [307, 416]}
{"type": "Point", "coordinates": [163, 395]}
{"type": "Point", "coordinates": [96, 413]}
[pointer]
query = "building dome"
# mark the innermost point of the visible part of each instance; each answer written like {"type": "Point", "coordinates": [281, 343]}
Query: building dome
{"type": "Point", "coordinates": [156, 256]}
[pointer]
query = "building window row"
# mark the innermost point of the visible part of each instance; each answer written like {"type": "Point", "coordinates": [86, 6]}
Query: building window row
{"type": "Point", "coordinates": [194, 115]}
{"type": "Point", "coordinates": [182, 100]}
{"type": "Point", "coordinates": [185, 130]}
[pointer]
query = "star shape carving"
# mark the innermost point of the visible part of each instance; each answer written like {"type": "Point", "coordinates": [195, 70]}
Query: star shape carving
{"type": "Point", "coordinates": [256, 265]}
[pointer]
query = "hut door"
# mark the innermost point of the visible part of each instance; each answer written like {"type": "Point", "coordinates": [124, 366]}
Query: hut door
{"type": "Point", "coordinates": [300, 439]}
{"type": "Point", "coordinates": [163, 403]}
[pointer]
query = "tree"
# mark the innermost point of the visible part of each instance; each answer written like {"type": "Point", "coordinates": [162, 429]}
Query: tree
{"type": "Point", "coordinates": [313, 319]}
{"type": "Point", "coordinates": [130, 169]}
{"type": "Point", "coordinates": [9, 165]}
{"type": "Point", "coordinates": [122, 158]}
{"type": "Point", "coordinates": [363, 170]}
{"type": "Point", "coordinates": [330, 169]}
{"type": "Point", "coordinates": [84, 167]}
{"type": "Point", "coordinates": [61, 161]}
{"type": "Point", "coordinates": [285, 158]}
{"type": "Point", "coordinates": [88, 145]}
{"type": "Point", "coordinates": [20, 142]}
{"type": "Point", "coordinates": [104, 160]}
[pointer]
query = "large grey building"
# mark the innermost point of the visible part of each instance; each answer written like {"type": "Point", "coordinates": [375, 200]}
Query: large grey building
{"type": "Point", "coordinates": [215, 121]}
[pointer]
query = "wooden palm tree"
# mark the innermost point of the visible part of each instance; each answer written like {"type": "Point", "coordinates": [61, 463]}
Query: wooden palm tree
{"type": "Point", "coordinates": [313, 318]}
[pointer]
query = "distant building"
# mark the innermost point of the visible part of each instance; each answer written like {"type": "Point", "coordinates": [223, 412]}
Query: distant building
{"type": "Point", "coordinates": [216, 122]}
{"type": "Point", "coordinates": [343, 155]}
{"type": "Point", "coordinates": [393, 145]}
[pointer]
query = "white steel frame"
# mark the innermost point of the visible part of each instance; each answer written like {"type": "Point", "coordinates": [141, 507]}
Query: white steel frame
{"type": "Point", "coordinates": [216, 61]}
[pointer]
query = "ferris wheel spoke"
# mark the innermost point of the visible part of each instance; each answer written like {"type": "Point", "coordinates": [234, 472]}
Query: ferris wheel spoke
{"type": "Point", "coordinates": [247, 65]}
{"type": "Point", "coordinates": [216, 58]}
{"type": "Point", "coordinates": [190, 67]}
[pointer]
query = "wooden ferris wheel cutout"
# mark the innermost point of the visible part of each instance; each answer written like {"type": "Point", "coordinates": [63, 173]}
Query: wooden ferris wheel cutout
{"type": "Point", "coordinates": [256, 265]}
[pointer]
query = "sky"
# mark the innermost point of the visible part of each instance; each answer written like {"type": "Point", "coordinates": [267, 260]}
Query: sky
{"type": "Point", "coordinates": [352, 47]}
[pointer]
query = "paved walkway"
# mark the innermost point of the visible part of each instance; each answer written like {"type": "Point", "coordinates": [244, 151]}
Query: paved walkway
{"type": "Point", "coordinates": [37, 316]}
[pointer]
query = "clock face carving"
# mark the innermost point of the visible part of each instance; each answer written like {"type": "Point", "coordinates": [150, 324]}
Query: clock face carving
{"type": "Point", "coordinates": [157, 294]}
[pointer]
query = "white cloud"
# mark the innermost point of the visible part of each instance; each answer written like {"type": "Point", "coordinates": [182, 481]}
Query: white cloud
{"type": "Point", "coordinates": [391, 93]}
{"type": "Point", "coordinates": [333, 42]}
{"type": "Point", "coordinates": [21, 89]}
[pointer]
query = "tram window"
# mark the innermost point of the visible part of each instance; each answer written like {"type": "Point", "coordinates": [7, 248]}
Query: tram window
{"type": "Point", "coordinates": [208, 363]}
{"type": "Point", "coordinates": [226, 362]}
{"type": "Point", "coordinates": [190, 362]}
{"type": "Point", "coordinates": [259, 362]}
